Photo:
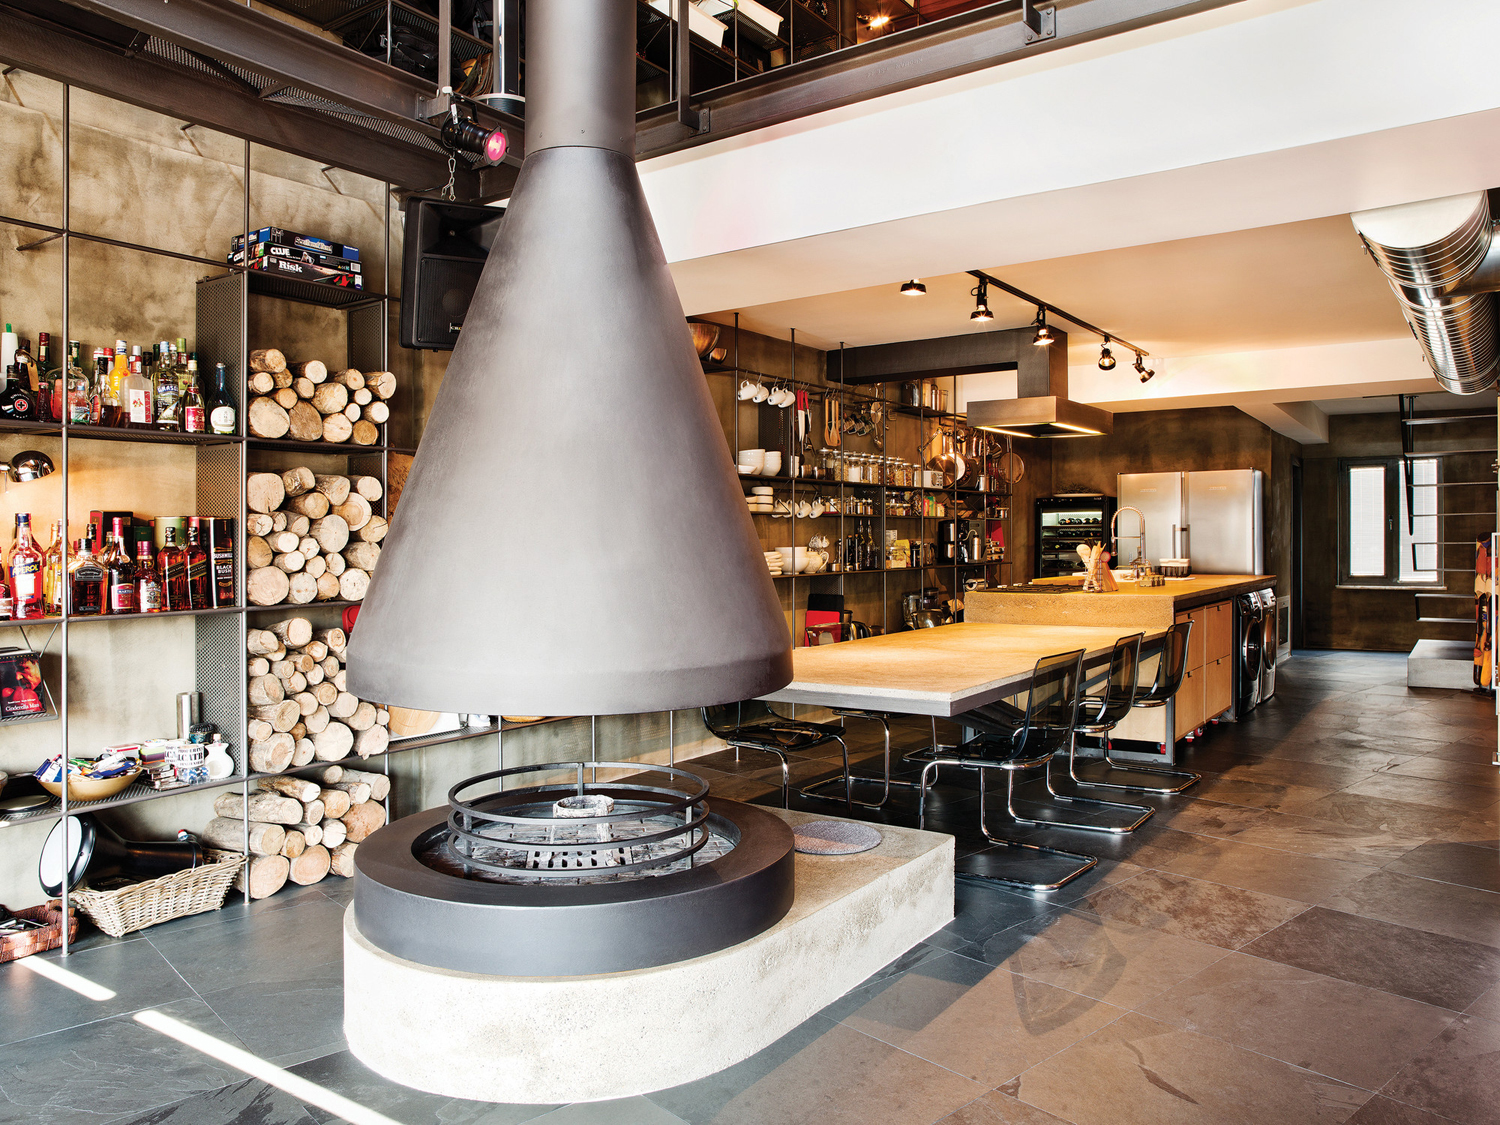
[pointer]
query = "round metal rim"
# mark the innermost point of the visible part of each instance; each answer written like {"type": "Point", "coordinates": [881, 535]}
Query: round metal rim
{"type": "Point", "coordinates": [680, 803]}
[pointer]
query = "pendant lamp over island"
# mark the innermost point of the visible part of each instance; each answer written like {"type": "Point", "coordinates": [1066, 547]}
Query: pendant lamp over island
{"type": "Point", "coordinates": [573, 537]}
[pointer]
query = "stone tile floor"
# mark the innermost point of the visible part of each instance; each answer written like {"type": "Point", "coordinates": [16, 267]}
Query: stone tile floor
{"type": "Point", "coordinates": [1311, 934]}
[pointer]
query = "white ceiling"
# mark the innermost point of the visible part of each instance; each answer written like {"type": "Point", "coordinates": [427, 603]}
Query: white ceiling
{"type": "Point", "coordinates": [1294, 285]}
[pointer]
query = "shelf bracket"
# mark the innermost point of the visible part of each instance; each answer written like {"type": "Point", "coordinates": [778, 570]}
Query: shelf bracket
{"type": "Point", "coordinates": [1041, 23]}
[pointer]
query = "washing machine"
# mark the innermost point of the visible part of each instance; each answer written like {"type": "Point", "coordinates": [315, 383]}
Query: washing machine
{"type": "Point", "coordinates": [1270, 641]}
{"type": "Point", "coordinates": [1249, 648]}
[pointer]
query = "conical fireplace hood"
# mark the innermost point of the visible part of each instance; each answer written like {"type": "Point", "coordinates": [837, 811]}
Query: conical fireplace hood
{"type": "Point", "coordinates": [573, 538]}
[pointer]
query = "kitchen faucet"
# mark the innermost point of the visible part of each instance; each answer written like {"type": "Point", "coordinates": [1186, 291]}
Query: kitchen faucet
{"type": "Point", "coordinates": [1140, 567]}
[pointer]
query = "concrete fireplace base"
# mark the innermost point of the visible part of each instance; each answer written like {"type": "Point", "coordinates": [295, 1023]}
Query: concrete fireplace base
{"type": "Point", "coordinates": [540, 1040]}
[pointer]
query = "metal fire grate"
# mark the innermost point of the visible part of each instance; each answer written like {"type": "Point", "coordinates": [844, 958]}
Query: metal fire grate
{"type": "Point", "coordinates": [582, 831]}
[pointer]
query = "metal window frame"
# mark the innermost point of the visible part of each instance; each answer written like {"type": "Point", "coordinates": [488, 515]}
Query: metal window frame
{"type": "Point", "coordinates": [1393, 487]}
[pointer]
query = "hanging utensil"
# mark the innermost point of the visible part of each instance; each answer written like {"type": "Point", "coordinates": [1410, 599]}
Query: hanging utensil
{"type": "Point", "coordinates": [832, 424]}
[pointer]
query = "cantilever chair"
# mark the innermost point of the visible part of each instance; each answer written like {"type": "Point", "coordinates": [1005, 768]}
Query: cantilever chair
{"type": "Point", "coordinates": [1014, 739]}
{"type": "Point", "coordinates": [1113, 707]}
{"type": "Point", "coordinates": [752, 725]}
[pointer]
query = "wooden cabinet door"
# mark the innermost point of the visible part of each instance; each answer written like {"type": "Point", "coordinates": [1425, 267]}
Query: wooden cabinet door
{"type": "Point", "coordinates": [1218, 641]}
{"type": "Point", "coordinates": [1195, 637]}
{"type": "Point", "coordinates": [1218, 687]}
{"type": "Point", "coordinates": [1187, 704]}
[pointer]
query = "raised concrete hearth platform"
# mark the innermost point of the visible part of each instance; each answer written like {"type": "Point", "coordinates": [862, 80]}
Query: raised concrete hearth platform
{"type": "Point", "coordinates": [540, 1040]}
{"type": "Point", "coordinates": [1441, 664]}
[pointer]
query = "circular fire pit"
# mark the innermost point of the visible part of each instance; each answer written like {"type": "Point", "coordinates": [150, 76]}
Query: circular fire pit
{"type": "Point", "coordinates": [573, 877]}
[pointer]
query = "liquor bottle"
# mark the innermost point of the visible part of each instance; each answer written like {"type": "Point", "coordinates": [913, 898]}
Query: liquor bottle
{"type": "Point", "coordinates": [171, 565]}
{"type": "Point", "coordinates": [77, 388]}
{"type": "Point", "coordinates": [6, 603]}
{"type": "Point", "coordinates": [139, 398]}
{"type": "Point", "coordinates": [119, 572]}
{"type": "Point", "coordinates": [114, 399]}
{"type": "Point", "coordinates": [199, 585]}
{"type": "Point", "coordinates": [191, 415]}
{"type": "Point", "coordinates": [52, 573]}
{"type": "Point", "coordinates": [148, 592]}
{"type": "Point", "coordinates": [26, 367]}
{"type": "Point", "coordinates": [851, 559]}
{"type": "Point", "coordinates": [167, 388]}
{"type": "Point", "coordinates": [86, 579]}
{"type": "Point", "coordinates": [49, 381]}
{"type": "Point", "coordinates": [9, 342]}
{"type": "Point", "coordinates": [25, 566]}
{"type": "Point", "coordinates": [17, 403]}
{"type": "Point", "coordinates": [222, 416]}
{"type": "Point", "coordinates": [104, 407]}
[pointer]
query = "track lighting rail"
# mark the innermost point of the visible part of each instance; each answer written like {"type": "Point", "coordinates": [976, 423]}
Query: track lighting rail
{"type": "Point", "coordinates": [1109, 337]}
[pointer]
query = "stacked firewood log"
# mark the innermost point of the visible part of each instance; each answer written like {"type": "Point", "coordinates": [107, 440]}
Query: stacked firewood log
{"type": "Point", "coordinates": [300, 709]}
{"type": "Point", "coordinates": [302, 828]}
{"type": "Point", "coordinates": [307, 402]}
{"type": "Point", "coordinates": [309, 537]}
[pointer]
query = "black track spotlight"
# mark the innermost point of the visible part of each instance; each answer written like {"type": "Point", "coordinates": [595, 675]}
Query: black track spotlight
{"type": "Point", "coordinates": [463, 134]}
{"type": "Point", "coordinates": [1106, 358]}
{"type": "Point", "coordinates": [981, 295]}
{"type": "Point", "coordinates": [913, 288]}
{"type": "Point", "coordinates": [1043, 335]}
{"type": "Point", "coordinates": [1142, 370]}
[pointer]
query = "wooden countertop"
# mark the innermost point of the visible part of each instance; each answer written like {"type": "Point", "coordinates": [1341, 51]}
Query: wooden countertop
{"type": "Point", "coordinates": [944, 671]}
{"type": "Point", "coordinates": [1141, 607]}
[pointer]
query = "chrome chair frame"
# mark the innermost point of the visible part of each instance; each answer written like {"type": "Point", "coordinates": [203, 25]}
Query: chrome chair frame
{"type": "Point", "coordinates": [1002, 717]}
{"type": "Point", "coordinates": [1169, 672]}
{"type": "Point", "coordinates": [778, 736]}
{"type": "Point", "coordinates": [886, 782]}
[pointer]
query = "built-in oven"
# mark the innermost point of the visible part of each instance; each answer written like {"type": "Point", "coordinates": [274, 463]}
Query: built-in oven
{"type": "Point", "coordinates": [1249, 650]}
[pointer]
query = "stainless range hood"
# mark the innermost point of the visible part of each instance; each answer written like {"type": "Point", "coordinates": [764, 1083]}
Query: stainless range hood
{"type": "Point", "coordinates": [573, 538]}
{"type": "Point", "coordinates": [1042, 408]}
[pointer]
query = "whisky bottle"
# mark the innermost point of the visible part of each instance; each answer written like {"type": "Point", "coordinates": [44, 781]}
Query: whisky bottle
{"type": "Point", "coordinates": [85, 580]}
{"type": "Point", "coordinates": [49, 382]}
{"type": "Point", "coordinates": [199, 585]}
{"type": "Point", "coordinates": [171, 565]}
{"type": "Point", "coordinates": [119, 572]}
{"type": "Point", "coordinates": [167, 388]}
{"type": "Point", "coordinates": [25, 566]}
{"type": "Point", "coordinates": [52, 573]}
{"type": "Point", "coordinates": [222, 416]}
{"type": "Point", "coordinates": [148, 592]}
{"type": "Point", "coordinates": [77, 387]}
{"type": "Point", "coordinates": [191, 413]}
{"type": "Point", "coordinates": [105, 409]}
{"type": "Point", "coordinates": [26, 367]}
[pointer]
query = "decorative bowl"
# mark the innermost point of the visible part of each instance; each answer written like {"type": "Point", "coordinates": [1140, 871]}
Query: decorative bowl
{"type": "Point", "coordinates": [705, 336]}
{"type": "Point", "coordinates": [89, 789]}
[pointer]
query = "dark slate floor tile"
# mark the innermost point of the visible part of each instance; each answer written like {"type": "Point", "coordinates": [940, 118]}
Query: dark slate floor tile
{"type": "Point", "coordinates": [1424, 791]}
{"type": "Point", "coordinates": [248, 1103]}
{"type": "Point", "coordinates": [981, 910]}
{"type": "Point", "coordinates": [996, 1108]}
{"type": "Point", "coordinates": [235, 910]}
{"type": "Point", "coordinates": [1457, 1076]}
{"type": "Point", "coordinates": [257, 947]}
{"type": "Point", "coordinates": [31, 1004]}
{"type": "Point", "coordinates": [1434, 969]}
{"type": "Point", "coordinates": [345, 1075]}
{"type": "Point", "coordinates": [1382, 1111]}
{"type": "Point", "coordinates": [1193, 908]}
{"type": "Point", "coordinates": [1464, 864]}
{"type": "Point", "coordinates": [1423, 904]}
{"type": "Point", "coordinates": [110, 1069]}
{"type": "Point", "coordinates": [299, 1010]}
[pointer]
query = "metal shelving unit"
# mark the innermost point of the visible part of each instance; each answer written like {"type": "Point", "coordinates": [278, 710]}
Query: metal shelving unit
{"type": "Point", "coordinates": [793, 488]}
{"type": "Point", "coordinates": [222, 300]}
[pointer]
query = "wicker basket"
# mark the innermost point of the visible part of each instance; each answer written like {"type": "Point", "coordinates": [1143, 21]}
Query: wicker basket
{"type": "Point", "coordinates": [27, 942]}
{"type": "Point", "coordinates": [160, 900]}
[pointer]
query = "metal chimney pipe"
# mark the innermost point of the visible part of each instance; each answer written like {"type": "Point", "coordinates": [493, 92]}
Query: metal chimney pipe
{"type": "Point", "coordinates": [573, 538]}
{"type": "Point", "coordinates": [1441, 258]}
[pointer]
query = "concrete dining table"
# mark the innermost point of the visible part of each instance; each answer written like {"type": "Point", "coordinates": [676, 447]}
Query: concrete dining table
{"type": "Point", "coordinates": [941, 672]}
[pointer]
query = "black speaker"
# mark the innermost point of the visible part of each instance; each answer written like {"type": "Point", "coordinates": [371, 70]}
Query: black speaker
{"type": "Point", "coordinates": [81, 845]}
{"type": "Point", "coordinates": [443, 253]}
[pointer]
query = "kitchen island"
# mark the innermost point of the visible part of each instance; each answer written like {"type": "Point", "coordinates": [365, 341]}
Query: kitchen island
{"type": "Point", "coordinates": [1214, 676]}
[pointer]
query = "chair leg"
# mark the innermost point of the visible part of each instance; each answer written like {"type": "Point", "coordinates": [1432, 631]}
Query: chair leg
{"type": "Point", "coordinates": [846, 780]}
{"type": "Point", "coordinates": [1084, 862]}
{"type": "Point", "coordinates": [885, 782]}
{"type": "Point", "coordinates": [922, 800]}
{"type": "Point", "coordinates": [1111, 766]}
{"type": "Point", "coordinates": [786, 774]}
{"type": "Point", "coordinates": [1113, 829]}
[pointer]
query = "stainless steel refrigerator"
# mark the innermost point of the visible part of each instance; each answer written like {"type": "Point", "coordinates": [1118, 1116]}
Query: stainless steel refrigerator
{"type": "Point", "coordinates": [1214, 518]}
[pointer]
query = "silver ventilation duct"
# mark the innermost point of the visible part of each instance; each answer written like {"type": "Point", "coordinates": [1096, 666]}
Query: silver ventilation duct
{"type": "Point", "coordinates": [573, 538]}
{"type": "Point", "coordinates": [1443, 262]}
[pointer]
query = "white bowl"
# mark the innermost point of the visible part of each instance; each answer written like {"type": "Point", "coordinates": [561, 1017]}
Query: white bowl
{"type": "Point", "coordinates": [753, 459]}
{"type": "Point", "coordinates": [748, 470]}
{"type": "Point", "coordinates": [763, 490]}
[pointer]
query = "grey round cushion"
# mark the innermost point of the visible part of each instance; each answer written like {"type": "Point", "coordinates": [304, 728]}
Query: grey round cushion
{"type": "Point", "coordinates": [834, 837]}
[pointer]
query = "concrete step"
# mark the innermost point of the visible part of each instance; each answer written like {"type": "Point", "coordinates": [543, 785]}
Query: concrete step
{"type": "Point", "coordinates": [1441, 664]}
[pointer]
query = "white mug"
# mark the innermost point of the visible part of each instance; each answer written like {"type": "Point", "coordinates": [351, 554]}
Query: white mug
{"type": "Point", "coordinates": [761, 393]}
{"type": "Point", "coordinates": [746, 391]}
{"type": "Point", "coordinates": [817, 508]}
{"type": "Point", "coordinates": [804, 509]}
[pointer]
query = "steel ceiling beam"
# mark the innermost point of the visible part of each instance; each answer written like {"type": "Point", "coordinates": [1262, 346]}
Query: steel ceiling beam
{"type": "Point", "coordinates": [985, 37]}
{"type": "Point", "coordinates": [41, 47]}
{"type": "Point", "coordinates": [266, 45]}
